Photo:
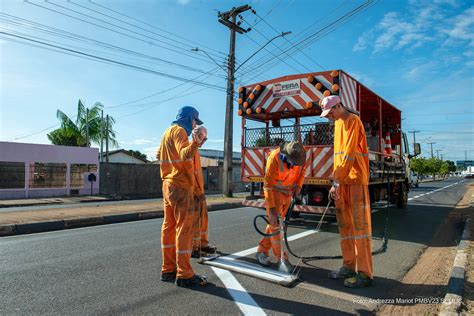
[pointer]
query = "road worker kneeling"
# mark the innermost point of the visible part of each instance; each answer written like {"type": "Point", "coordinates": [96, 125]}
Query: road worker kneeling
{"type": "Point", "coordinates": [177, 172]}
{"type": "Point", "coordinates": [351, 194]}
{"type": "Point", "coordinates": [284, 175]}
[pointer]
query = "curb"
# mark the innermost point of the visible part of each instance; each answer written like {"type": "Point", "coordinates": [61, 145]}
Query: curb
{"type": "Point", "coordinates": [39, 227]}
{"type": "Point", "coordinates": [453, 299]}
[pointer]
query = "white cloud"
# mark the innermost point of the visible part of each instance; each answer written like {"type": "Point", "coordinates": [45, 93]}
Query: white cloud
{"type": "Point", "coordinates": [140, 142]}
{"type": "Point", "coordinates": [150, 152]}
{"type": "Point", "coordinates": [423, 22]}
{"type": "Point", "coordinates": [363, 41]}
{"type": "Point", "coordinates": [462, 28]}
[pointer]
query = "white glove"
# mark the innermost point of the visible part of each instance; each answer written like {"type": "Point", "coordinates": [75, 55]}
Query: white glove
{"type": "Point", "coordinates": [199, 135]}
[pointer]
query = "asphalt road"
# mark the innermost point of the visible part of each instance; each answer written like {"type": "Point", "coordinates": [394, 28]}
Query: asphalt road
{"type": "Point", "coordinates": [115, 269]}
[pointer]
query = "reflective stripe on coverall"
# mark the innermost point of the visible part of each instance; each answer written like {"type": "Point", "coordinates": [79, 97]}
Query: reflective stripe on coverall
{"type": "Point", "coordinates": [351, 170]}
{"type": "Point", "coordinates": [278, 186]}
{"type": "Point", "coordinates": [175, 155]}
{"type": "Point", "coordinates": [201, 224]}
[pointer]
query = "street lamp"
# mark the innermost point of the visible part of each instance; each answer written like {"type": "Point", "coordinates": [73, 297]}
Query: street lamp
{"type": "Point", "coordinates": [197, 49]}
{"type": "Point", "coordinates": [281, 35]}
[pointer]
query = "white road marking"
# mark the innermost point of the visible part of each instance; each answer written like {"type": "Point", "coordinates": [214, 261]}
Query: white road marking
{"type": "Point", "coordinates": [244, 301]}
{"type": "Point", "coordinates": [247, 304]}
{"type": "Point", "coordinates": [437, 190]}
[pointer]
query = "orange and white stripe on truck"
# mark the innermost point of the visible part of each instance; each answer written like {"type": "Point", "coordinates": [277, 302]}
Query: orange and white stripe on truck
{"type": "Point", "coordinates": [348, 92]}
{"type": "Point", "coordinates": [253, 162]}
{"type": "Point", "coordinates": [323, 162]}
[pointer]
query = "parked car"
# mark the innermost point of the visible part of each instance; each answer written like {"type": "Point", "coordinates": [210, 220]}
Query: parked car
{"type": "Point", "coordinates": [413, 179]}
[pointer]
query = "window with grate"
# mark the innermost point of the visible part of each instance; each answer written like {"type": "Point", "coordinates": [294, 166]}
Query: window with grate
{"type": "Point", "coordinates": [47, 175]}
{"type": "Point", "coordinates": [12, 175]}
{"type": "Point", "coordinates": [77, 173]}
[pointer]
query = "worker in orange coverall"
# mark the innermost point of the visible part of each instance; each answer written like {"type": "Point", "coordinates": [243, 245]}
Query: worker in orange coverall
{"type": "Point", "coordinates": [177, 172]}
{"type": "Point", "coordinates": [284, 175]}
{"type": "Point", "coordinates": [201, 223]}
{"type": "Point", "coordinates": [351, 194]}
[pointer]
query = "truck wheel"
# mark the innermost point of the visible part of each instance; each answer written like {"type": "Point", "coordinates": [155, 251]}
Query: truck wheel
{"type": "Point", "coordinates": [402, 200]}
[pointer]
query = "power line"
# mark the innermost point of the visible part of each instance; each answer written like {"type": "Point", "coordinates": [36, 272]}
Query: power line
{"type": "Point", "coordinates": [9, 19]}
{"type": "Point", "coordinates": [112, 30]}
{"type": "Point", "coordinates": [155, 27]}
{"type": "Point", "coordinates": [188, 46]}
{"type": "Point", "coordinates": [309, 40]}
{"type": "Point", "coordinates": [291, 43]}
{"type": "Point", "coordinates": [107, 60]}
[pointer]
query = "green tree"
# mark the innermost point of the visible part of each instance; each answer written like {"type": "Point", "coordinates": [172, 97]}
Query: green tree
{"type": "Point", "coordinates": [419, 165]}
{"type": "Point", "coordinates": [136, 153]}
{"type": "Point", "coordinates": [73, 132]}
{"type": "Point", "coordinates": [452, 166]}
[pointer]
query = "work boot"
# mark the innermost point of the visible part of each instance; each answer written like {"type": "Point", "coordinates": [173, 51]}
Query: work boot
{"type": "Point", "coordinates": [358, 281]}
{"type": "Point", "coordinates": [209, 249]}
{"type": "Point", "coordinates": [168, 276]}
{"type": "Point", "coordinates": [342, 273]}
{"type": "Point", "coordinates": [262, 259]}
{"type": "Point", "coordinates": [195, 280]}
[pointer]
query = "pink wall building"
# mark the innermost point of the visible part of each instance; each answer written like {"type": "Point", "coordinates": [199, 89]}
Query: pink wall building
{"type": "Point", "coordinates": [34, 170]}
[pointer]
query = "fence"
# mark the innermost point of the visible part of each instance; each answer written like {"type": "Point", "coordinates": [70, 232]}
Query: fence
{"type": "Point", "coordinates": [309, 134]}
{"type": "Point", "coordinates": [120, 179]}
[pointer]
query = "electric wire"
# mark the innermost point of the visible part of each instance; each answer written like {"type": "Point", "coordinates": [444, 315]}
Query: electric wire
{"type": "Point", "coordinates": [9, 19]}
{"type": "Point", "coordinates": [112, 30]}
{"type": "Point", "coordinates": [111, 61]}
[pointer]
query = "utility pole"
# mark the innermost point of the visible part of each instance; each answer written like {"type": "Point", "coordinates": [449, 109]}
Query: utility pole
{"type": "Point", "coordinates": [437, 153]}
{"type": "Point", "coordinates": [87, 127]}
{"type": "Point", "coordinates": [101, 134]}
{"type": "Point", "coordinates": [414, 139]}
{"type": "Point", "coordinates": [228, 18]}
{"type": "Point", "coordinates": [107, 140]}
{"type": "Point", "coordinates": [432, 148]}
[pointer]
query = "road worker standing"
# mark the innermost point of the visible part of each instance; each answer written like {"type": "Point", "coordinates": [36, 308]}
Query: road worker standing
{"type": "Point", "coordinates": [201, 223]}
{"type": "Point", "coordinates": [284, 175]}
{"type": "Point", "coordinates": [351, 194]}
{"type": "Point", "coordinates": [177, 172]}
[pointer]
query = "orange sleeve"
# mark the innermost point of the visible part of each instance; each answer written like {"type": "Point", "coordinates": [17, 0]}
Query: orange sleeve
{"type": "Point", "coordinates": [185, 149]}
{"type": "Point", "coordinates": [349, 149]}
{"type": "Point", "coordinates": [271, 171]}
{"type": "Point", "coordinates": [300, 180]}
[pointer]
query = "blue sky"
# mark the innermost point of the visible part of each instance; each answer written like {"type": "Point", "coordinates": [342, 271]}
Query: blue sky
{"type": "Point", "coordinates": [417, 54]}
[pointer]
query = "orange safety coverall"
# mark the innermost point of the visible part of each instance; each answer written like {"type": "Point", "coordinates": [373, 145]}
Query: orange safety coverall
{"type": "Point", "coordinates": [351, 170]}
{"type": "Point", "coordinates": [177, 172]}
{"type": "Point", "coordinates": [201, 224]}
{"type": "Point", "coordinates": [278, 186]}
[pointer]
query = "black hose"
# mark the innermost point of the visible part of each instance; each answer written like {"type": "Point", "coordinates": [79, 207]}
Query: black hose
{"type": "Point", "coordinates": [382, 248]}
{"type": "Point", "coordinates": [258, 230]}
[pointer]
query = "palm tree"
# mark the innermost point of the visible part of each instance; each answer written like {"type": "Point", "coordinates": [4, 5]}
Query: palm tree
{"type": "Point", "coordinates": [73, 133]}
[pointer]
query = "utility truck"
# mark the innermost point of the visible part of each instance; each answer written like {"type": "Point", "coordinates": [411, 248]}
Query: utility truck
{"type": "Point", "coordinates": [288, 108]}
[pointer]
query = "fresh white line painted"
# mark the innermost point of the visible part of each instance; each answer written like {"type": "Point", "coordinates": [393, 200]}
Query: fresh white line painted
{"type": "Point", "coordinates": [244, 301]}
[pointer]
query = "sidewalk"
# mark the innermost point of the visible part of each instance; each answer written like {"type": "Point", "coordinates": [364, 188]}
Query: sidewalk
{"type": "Point", "coordinates": [34, 221]}
{"type": "Point", "coordinates": [55, 200]}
